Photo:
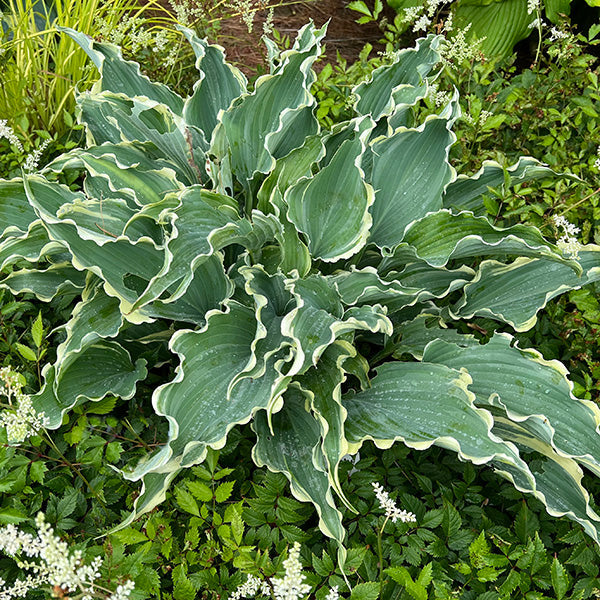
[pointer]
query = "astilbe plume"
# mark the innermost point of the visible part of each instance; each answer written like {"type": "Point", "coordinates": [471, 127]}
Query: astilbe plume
{"type": "Point", "coordinates": [55, 565]}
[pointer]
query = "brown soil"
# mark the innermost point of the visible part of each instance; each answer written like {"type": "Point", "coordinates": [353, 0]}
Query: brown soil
{"type": "Point", "coordinates": [344, 35]}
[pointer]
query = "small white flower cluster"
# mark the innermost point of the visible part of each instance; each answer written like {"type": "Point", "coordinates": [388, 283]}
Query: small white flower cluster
{"type": "Point", "coordinates": [250, 588]}
{"type": "Point", "coordinates": [187, 13]}
{"type": "Point", "coordinates": [32, 160]}
{"type": "Point", "coordinates": [21, 420]}
{"type": "Point", "coordinates": [421, 16]}
{"type": "Point", "coordinates": [533, 6]}
{"type": "Point", "coordinates": [290, 586]}
{"type": "Point", "coordinates": [333, 594]}
{"type": "Point", "coordinates": [558, 34]}
{"type": "Point", "coordinates": [131, 31]}
{"type": "Point", "coordinates": [391, 510]}
{"type": "Point", "coordinates": [458, 50]}
{"type": "Point", "coordinates": [56, 566]}
{"type": "Point", "coordinates": [7, 132]}
{"type": "Point", "coordinates": [567, 243]}
{"type": "Point", "coordinates": [597, 161]}
{"type": "Point", "coordinates": [439, 97]}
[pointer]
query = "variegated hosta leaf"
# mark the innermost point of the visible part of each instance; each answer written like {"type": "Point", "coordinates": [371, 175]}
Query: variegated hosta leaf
{"type": "Point", "coordinates": [45, 284]}
{"type": "Point", "coordinates": [97, 370]}
{"type": "Point", "coordinates": [122, 76]}
{"type": "Point", "coordinates": [332, 208]}
{"type": "Point", "coordinates": [275, 118]}
{"type": "Point", "coordinates": [410, 171]}
{"type": "Point", "coordinates": [514, 293]}
{"type": "Point", "coordinates": [218, 85]}
{"type": "Point", "coordinates": [423, 404]}
{"type": "Point", "coordinates": [427, 327]}
{"type": "Point", "coordinates": [15, 213]}
{"type": "Point", "coordinates": [465, 193]}
{"type": "Point", "coordinates": [443, 236]}
{"type": "Point", "coordinates": [31, 246]}
{"type": "Point", "coordinates": [116, 118]}
{"type": "Point", "coordinates": [322, 384]}
{"type": "Point", "coordinates": [416, 283]}
{"type": "Point", "coordinates": [532, 391]}
{"type": "Point", "coordinates": [290, 449]}
{"type": "Point", "coordinates": [122, 171]}
{"type": "Point", "coordinates": [319, 319]}
{"type": "Point", "coordinates": [198, 403]}
{"type": "Point", "coordinates": [409, 67]}
{"type": "Point", "coordinates": [125, 269]}
{"type": "Point", "coordinates": [558, 480]}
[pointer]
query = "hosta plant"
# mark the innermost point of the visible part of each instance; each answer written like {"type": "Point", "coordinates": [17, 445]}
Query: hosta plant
{"type": "Point", "coordinates": [303, 280]}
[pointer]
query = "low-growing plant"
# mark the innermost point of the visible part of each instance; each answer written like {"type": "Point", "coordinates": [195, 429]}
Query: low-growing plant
{"type": "Point", "coordinates": [309, 281]}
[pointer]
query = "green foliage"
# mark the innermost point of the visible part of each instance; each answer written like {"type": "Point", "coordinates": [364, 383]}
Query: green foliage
{"type": "Point", "coordinates": [201, 232]}
{"type": "Point", "coordinates": [39, 69]}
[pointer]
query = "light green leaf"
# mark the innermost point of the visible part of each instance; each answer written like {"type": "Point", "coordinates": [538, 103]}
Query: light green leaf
{"type": "Point", "coordinates": [26, 352]}
{"type": "Point", "coordinates": [37, 330]}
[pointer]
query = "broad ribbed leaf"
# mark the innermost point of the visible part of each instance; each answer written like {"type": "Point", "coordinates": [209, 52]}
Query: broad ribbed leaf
{"type": "Point", "coordinates": [558, 480]}
{"type": "Point", "coordinates": [331, 208]}
{"type": "Point", "coordinates": [125, 268]}
{"type": "Point", "coordinates": [115, 118]}
{"type": "Point", "coordinates": [465, 193]}
{"type": "Point", "coordinates": [443, 236]}
{"type": "Point", "coordinates": [100, 369]}
{"type": "Point", "coordinates": [15, 213]}
{"type": "Point", "coordinates": [514, 293]}
{"type": "Point", "coordinates": [424, 404]}
{"type": "Point", "coordinates": [275, 118]}
{"type": "Point", "coordinates": [534, 392]}
{"type": "Point", "coordinates": [410, 171]}
{"type": "Point", "coordinates": [96, 316]}
{"type": "Point", "coordinates": [123, 76]}
{"type": "Point", "coordinates": [46, 284]}
{"type": "Point", "coordinates": [501, 24]}
{"type": "Point", "coordinates": [409, 67]}
{"type": "Point", "coordinates": [30, 246]}
{"type": "Point", "coordinates": [323, 385]}
{"type": "Point", "coordinates": [289, 449]}
{"type": "Point", "coordinates": [218, 85]}
{"type": "Point", "coordinates": [319, 319]}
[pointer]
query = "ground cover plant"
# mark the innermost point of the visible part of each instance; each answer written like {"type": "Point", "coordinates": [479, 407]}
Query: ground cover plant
{"type": "Point", "coordinates": [103, 216]}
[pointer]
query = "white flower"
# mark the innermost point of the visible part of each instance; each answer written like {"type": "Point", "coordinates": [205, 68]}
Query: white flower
{"type": "Point", "coordinates": [8, 133]}
{"type": "Point", "coordinates": [55, 565]}
{"type": "Point", "coordinates": [21, 420]}
{"type": "Point", "coordinates": [333, 594]}
{"type": "Point", "coordinates": [557, 34]}
{"type": "Point", "coordinates": [290, 587]}
{"type": "Point", "coordinates": [391, 510]}
{"type": "Point", "coordinates": [567, 243]}
{"type": "Point", "coordinates": [32, 160]}
{"type": "Point", "coordinates": [533, 6]}
{"type": "Point", "coordinates": [421, 23]}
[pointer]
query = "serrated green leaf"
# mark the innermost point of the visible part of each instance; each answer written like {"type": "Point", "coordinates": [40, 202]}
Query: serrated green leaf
{"type": "Point", "coordinates": [365, 591]}
{"type": "Point", "coordinates": [37, 330]}
{"type": "Point", "coordinates": [560, 579]}
{"type": "Point", "coordinates": [186, 501]}
{"type": "Point", "coordinates": [224, 490]}
{"type": "Point", "coordinates": [26, 352]}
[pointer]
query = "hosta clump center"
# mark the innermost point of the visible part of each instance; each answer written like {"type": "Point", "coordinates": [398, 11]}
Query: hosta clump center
{"type": "Point", "coordinates": [228, 233]}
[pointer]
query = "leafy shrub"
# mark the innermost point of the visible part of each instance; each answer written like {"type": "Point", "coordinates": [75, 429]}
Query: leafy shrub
{"type": "Point", "coordinates": [283, 265]}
